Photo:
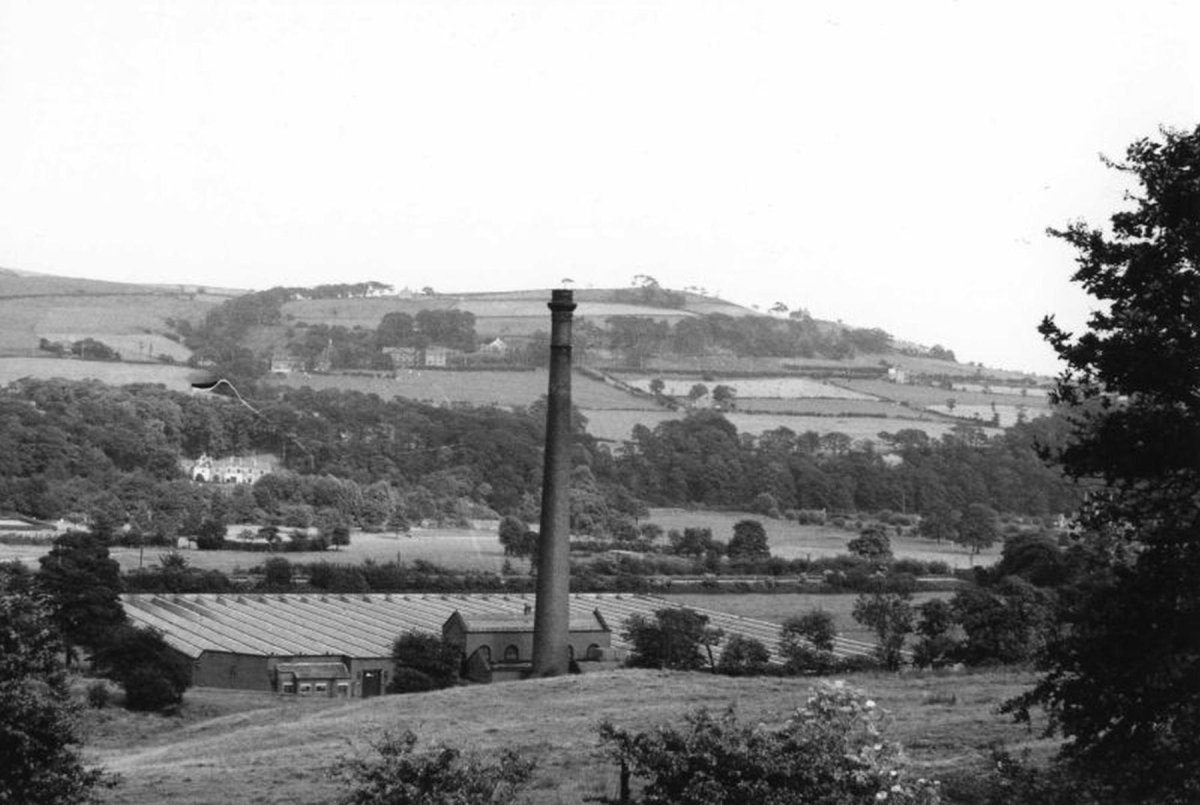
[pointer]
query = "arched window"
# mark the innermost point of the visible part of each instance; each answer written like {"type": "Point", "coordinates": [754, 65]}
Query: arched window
{"type": "Point", "coordinates": [512, 654]}
{"type": "Point", "coordinates": [594, 652]}
{"type": "Point", "coordinates": [485, 653]}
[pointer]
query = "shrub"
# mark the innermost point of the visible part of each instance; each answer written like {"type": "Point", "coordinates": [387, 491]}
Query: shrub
{"type": "Point", "coordinates": [423, 662]}
{"type": "Point", "coordinates": [672, 640]}
{"type": "Point", "coordinates": [153, 674]}
{"type": "Point", "coordinates": [98, 695]}
{"type": "Point", "coordinates": [743, 656]}
{"type": "Point", "coordinates": [442, 775]}
{"type": "Point", "coordinates": [830, 752]}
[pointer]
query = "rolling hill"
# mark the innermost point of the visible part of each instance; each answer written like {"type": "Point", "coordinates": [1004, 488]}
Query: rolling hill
{"type": "Point", "coordinates": [849, 394]}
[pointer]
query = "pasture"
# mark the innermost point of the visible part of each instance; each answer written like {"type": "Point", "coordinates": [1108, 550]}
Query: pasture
{"type": "Point", "coordinates": [237, 746]}
{"type": "Point", "coordinates": [768, 387]}
{"type": "Point", "coordinates": [778, 607]}
{"type": "Point", "coordinates": [794, 541]}
{"type": "Point", "coordinates": [479, 549]}
{"type": "Point", "coordinates": [616, 425]}
{"type": "Point", "coordinates": [933, 396]}
{"type": "Point", "coordinates": [113, 373]}
{"type": "Point", "coordinates": [511, 388]}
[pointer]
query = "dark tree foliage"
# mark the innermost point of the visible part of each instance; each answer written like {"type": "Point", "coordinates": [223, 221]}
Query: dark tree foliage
{"type": "Point", "coordinates": [701, 459]}
{"type": "Point", "coordinates": [806, 643]}
{"type": "Point", "coordinates": [890, 615]}
{"type": "Point", "coordinates": [516, 537]}
{"type": "Point", "coordinates": [673, 639]}
{"type": "Point", "coordinates": [1121, 683]}
{"type": "Point", "coordinates": [937, 644]}
{"type": "Point", "coordinates": [424, 662]}
{"type": "Point", "coordinates": [872, 544]}
{"type": "Point", "coordinates": [39, 732]}
{"type": "Point", "coordinates": [153, 674]}
{"type": "Point", "coordinates": [743, 656]}
{"type": "Point", "coordinates": [83, 586]}
{"type": "Point", "coordinates": [749, 542]}
{"type": "Point", "coordinates": [979, 527]}
{"type": "Point", "coordinates": [1008, 622]}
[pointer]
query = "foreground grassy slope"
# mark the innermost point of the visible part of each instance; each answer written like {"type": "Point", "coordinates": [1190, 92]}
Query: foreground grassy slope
{"type": "Point", "coordinates": [258, 748]}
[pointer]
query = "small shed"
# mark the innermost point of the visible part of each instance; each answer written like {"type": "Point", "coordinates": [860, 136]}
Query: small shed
{"type": "Point", "coordinates": [313, 678]}
{"type": "Point", "coordinates": [499, 646]}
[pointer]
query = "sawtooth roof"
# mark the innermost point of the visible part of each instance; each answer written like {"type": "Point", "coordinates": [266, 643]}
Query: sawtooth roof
{"type": "Point", "coordinates": [366, 625]}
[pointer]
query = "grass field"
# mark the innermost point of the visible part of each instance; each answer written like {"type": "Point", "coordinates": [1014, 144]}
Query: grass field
{"type": "Point", "coordinates": [778, 607]}
{"type": "Point", "coordinates": [480, 549]}
{"type": "Point", "coordinates": [477, 388]}
{"type": "Point", "coordinates": [233, 746]}
{"type": "Point", "coordinates": [173, 377]}
{"type": "Point", "coordinates": [766, 387]}
{"type": "Point", "coordinates": [925, 396]}
{"type": "Point", "coordinates": [793, 541]}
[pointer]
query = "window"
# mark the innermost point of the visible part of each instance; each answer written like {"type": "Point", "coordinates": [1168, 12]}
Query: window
{"type": "Point", "coordinates": [305, 688]}
{"type": "Point", "coordinates": [594, 652]}
{"type": "Point", "coordinates": [511, 654]}
{"type": "Point", "coordinates": [343, 689]}
{"type": "Point", "coordinates": [321, 687]}
{"type": "Point", "coordinates": [289, 687]}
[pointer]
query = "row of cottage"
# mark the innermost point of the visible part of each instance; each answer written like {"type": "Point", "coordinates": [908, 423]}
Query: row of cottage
{"type": "Point", "coordinates": [431, 357]}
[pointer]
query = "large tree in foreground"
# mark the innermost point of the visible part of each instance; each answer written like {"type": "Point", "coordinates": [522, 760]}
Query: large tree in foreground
{"type": "Point", "coordinates": [40, 762]}
{"type": "Point", "coordinates": [1123, 683]}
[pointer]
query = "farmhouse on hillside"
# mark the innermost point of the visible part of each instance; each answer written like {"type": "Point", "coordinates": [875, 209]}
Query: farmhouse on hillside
{"type": "Point", "coordinates": [231, 470]}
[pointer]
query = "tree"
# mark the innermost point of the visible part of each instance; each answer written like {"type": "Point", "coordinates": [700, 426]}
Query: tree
{"type": "Point", "coordinates": [743, 656]}
{"type": "Point", "coordinates": [891, 616]}
{"type": "Point", "coordinates": [657, 386]}
{"type": "Point", "coordinates": [153, 674]}
{"type": "Point", "coordinates": [442, 775]}
{"type": "Point", "coordinates": [424, 661]}
{"type": "Point", "coordinates": [673, 639]}
{"type": "Point", "coordinates": [806, 643]}
{"type": "Point", "coordinates": [831, 751]}
{"type": "Point", "coordinates": [277, 573]}
{"type": "Point", "coordinates": [83, 586]}
{"type": "Point", "coordinates": [940, 524]}
{"type": "Point", "coordinates": [1007, 623]}
{"type": "Point", "coordinates": [516, 537]}
{"type": "Point", "coordinates": [725, 397]}
{"type": "Point", "coordinates": [937, 645]}
{"type": "Point", "coordinates": [749, 542]}
{"type": "Point", "coordinates": [872, 544]}
{"type": "Point", "coordinates": [211, 534]}
{"type": "Point", "coordinates": [1120, 681]}
{"type": "Point", "coordinates": [979, 528]}
{"type": "Point", "coordinates": [39, 730]}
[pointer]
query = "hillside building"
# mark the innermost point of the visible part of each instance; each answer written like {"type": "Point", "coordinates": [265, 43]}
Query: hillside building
{"type": "Point", "coordinates": [231, 470]}
{"type": "Point", "coordinates": [340, 645]}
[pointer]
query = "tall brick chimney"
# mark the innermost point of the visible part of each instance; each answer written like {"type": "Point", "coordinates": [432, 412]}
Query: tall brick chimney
{"type": "Point", "coordinates": [551, 629]}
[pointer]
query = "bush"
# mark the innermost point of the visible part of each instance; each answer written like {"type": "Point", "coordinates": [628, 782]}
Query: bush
{"type": "Point", "coordinates": [153, 674]}
{"type": "Point", "coordinates": [743, 656]}
{"type": "Point", "coordinates": [423, 662]}
{"type": "Point", "coordinates": [672, 640]}
{"type": "Point", "coordinates": [830, 752]}
{"type": "Point", "coordinates": [98, 695]}
{"type": "Point", "coordinates": [441, 775]}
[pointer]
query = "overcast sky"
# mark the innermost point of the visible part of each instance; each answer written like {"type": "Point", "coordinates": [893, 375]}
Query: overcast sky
{"type": "Point", "coordinates": [889, 164]}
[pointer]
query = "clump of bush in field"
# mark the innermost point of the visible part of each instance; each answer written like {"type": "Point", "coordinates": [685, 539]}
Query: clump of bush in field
{"type": "Point", "coordinates": [441, 775]}
{"type": "Point", "coordinates": [831, 751]}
